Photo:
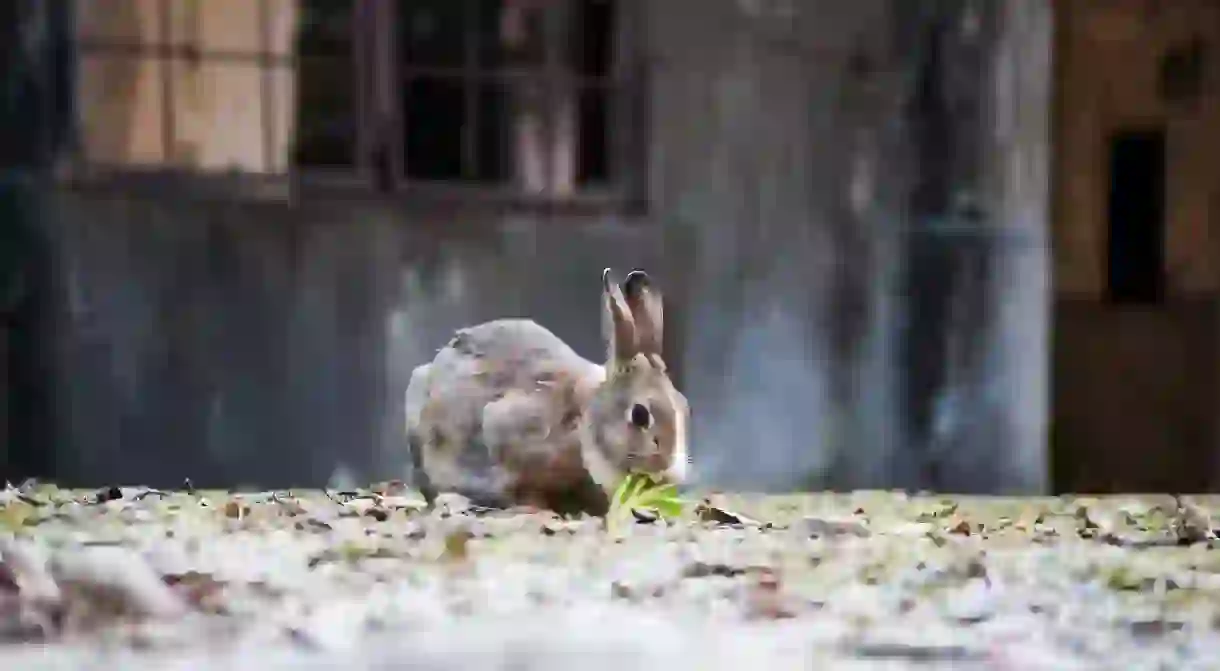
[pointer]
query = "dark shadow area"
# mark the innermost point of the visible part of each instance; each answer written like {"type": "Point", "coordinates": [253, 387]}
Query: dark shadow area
{"type": "Point", "coordinates": [36, 112]}
{"type": "Point", "coordinates": [1136, 217]}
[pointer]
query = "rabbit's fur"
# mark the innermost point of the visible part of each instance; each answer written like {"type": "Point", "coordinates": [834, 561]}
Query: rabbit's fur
{"type": "Point", "coordinates": [508, 414]}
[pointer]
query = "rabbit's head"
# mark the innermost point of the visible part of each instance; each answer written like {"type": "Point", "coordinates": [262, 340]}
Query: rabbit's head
{"type": "Point", "coordinates": [637, 420]}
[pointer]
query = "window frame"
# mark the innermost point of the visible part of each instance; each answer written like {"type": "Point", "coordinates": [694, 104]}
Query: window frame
{"type": "Point", "coordinates": [377, 75]}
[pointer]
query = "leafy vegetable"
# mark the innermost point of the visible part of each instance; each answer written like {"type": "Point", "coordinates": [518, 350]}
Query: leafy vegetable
{"type": "Point", "coordinates": [644, 492]}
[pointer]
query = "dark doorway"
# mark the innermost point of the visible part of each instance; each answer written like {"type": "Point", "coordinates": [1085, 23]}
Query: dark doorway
{"type": "Point", "coordinates": [1136, 213]}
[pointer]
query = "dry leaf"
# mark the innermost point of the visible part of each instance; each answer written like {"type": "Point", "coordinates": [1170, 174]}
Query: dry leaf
{"type": "Point", "coordinates": [401, 503]}
{"type": "Point", "coordinates": [357, 506]}
{"type": "Point", "coordinates": [711, 513]}
{"type": "Point", "coordinates": [962, 528]}
{"type": "Point", "coordinates": [456, 543]}
{"type": "Point", "coordinates": [14, 516]}
{"type": "Point", "coordinates": [765, 598]}
{"type": "Point", "coordinates": [289, 506]}
{"type": "Point", "coordinates": [198, 589]}
{"type": "Point", "coordinates": [235, 510]}
{"type": "Point", "coordinates": [1191, 524]}
{"type": "Point", "coordinates": [390, 488]}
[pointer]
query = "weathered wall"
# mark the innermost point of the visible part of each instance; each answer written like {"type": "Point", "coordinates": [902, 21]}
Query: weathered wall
{"type": "Point", "coordinates": [973, 322]}
{"type": "Point", "coordinates": [1110, 68]}
{"type": "Point", "coordinates": [1135, 392]}
{"type": "Point", "coordinates": [817, 125]}
{"type": "Point", "coordinates": [1135, 386]}
{"type": "Point", "coordinates": [35, 122]}
{"type": "Point", "coordinates": [271, 352]}
{"type": "Point", "coordinates": [269, 342]}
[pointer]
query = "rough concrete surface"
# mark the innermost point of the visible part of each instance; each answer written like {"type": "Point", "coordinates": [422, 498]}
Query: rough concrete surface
{"type": "Point", "coordinates": [128, 578]}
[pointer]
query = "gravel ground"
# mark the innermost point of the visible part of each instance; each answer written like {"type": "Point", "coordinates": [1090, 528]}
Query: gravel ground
{"type": "Point", "coordinates": [129, 578]}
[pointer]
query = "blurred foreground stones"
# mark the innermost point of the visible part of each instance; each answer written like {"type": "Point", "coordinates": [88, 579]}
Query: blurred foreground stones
{"type": "Point", "coordinates": [129, 577]}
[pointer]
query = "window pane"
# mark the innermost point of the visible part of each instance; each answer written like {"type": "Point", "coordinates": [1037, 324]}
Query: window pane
{"type": "Point", "coordinates": [325, 113]}
{"type": "Point", "coordinates": [121, 111]}
{"type": "Point", "coordinates": [121, 22]}
{"type": "Point", "coordinates": [592, 42]}
{"type": "Point", "coordinates": [324, 27]}
{"type": "Point", "coordinates": [218, 117]}
{"type": "Point", "coordinates": [435, 112]}
{"type": "Point", "coordinates": [432, 32]}
{"type": "Point", "coordinates": [511, 34]}
{"type": "Point", "coordinates": [233, 25]}
{"type": "Point", "coordinates": [223, 114]}
{"type": "Point", "coordinates": [593, 149]}
{"type": "Point", "coordinates": [494, 149]}
{"type": "Point", "coordinates": [542, 136]}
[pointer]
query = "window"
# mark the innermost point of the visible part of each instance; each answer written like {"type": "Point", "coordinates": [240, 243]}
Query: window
{"type": "Point", "coordinates": [1182, 74]}
{"type": "Point", "coordinates": [200, 85]}
{"type": "Point", "coordinates": [326, 112]}
{"type": "Point", "coordinates": [534, 100]}
{"type": "Point", "coordinates": [1136, 215]}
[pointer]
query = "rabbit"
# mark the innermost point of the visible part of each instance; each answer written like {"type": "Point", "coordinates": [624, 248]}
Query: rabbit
{"type": "Point", "coordinates": [507, 414]}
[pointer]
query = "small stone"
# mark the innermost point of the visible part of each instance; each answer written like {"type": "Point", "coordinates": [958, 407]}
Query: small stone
{"type": "Point", "coordinates": [817, 528]}
{"type": "Point", "coordinates": [451, 503]}
{"type": "Point", "coordinates": [111, 493]}
{"type": "Point", "coordinates": [378, 514]}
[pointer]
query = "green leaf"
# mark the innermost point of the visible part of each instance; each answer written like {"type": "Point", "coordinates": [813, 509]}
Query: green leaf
{"type": "Point", "coordinates": [668, 508]}
{"type": "Point", "coordinates": [641, 491]}
{"type": "Point", "coordinates": [630, 488]}
{"type": "Point", "coordinates": [16, 515]}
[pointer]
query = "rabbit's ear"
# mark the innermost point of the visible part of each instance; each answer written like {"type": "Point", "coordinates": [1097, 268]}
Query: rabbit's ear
{"type": "Point", "coordinates": [618, 326]}
{"type": "Point", "coordinates": [644, 300]}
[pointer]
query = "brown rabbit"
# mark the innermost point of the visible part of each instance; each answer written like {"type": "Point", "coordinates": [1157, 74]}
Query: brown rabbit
{"type": "Point", "coordinates": [508, 414]}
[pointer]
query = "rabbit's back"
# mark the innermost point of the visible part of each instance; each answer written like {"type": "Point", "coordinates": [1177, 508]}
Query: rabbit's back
{"type": "Point", "coordinates": [496, 407]}
{"type": "Point", "coordinates": [517, 351]}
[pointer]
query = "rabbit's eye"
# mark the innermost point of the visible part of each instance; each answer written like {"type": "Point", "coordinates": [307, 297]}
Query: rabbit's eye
{"type": "Point", "coordinates": [639, 416]}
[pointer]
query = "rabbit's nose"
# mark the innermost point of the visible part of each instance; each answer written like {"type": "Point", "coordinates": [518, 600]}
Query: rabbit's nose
{"type": "Point", "coordinates": [654, 461]}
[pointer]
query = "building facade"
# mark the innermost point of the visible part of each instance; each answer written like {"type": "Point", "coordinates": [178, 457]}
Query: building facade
{"type": "Point", "coordinates": [882, 227]}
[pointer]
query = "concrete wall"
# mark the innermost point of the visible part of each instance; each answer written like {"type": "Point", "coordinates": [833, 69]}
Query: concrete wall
{"type": "Point", "coordinates": [1135, 392]}
{"type": "Point", "coordinates": [973, 322]}
{"type": "Point", "coordinates": [270, 342]}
